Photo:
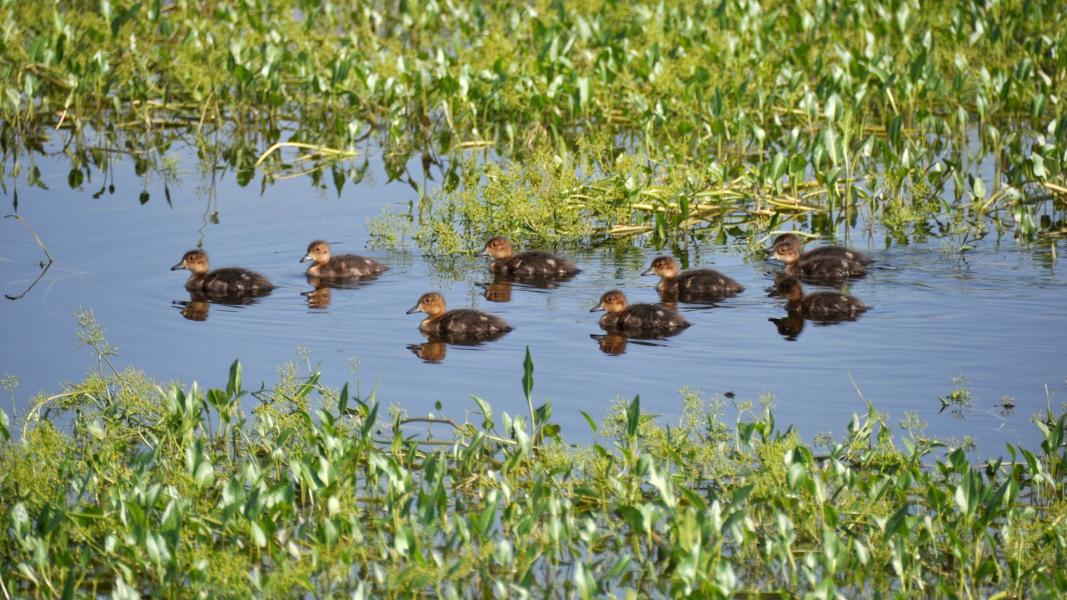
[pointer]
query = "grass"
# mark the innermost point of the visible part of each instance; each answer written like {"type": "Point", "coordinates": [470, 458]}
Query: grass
{"type": "Point", "coordinates": [661, 117]}
{"type": "Point", "coordinates": [126, 487]}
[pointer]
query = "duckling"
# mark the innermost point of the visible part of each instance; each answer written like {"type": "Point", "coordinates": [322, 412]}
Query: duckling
{"type": "Point", "coordinates": [229, 281]}
{"type": "Point", "coordinates": [691, 284]}
{"type": "Point", "coordinates": [636, 318]}
{"type": "Point", "coordinates": [463, 321]}
{"type": "Point", "coordinates": [339, 267]}
{"type": "Point", "coordinates": [838, 252]}
{"type": "Point", "coordinates": [820, 306]}
{"type": "Point", "coordinates": [825, 268]}
{"type": "Point", "coordinates": [529, 264]}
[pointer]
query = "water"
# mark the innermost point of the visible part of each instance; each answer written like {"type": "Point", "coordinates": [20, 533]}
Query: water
{"type": "Point", "coordinates": [995, 317]}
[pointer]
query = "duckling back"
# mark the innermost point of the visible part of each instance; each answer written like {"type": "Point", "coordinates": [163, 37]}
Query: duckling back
{"type": "Point", "coordinates": [702, 283]}
{"type": "Point", "coordinates": [836, 252]}
{"type": "Point", "coordinates": [348, 266]}
{"type": "Point", "coordinates": [827, 269]}
{"type": "Point", "coordinates": [643, 318]}
{"type": "Point", "coordinates": [230, 281]}
{"type": "Point", "coordinates": [535, 263]}
{"type": "Point", "coordinates": [466, 321]}
{"type": "Point", "coordinates": [831, 306]}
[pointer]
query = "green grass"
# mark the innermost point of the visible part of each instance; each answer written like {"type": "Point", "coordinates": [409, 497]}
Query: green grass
{"type": "Point", "coordinates": [665, 116]}
{"type": "Point", "coordinates": [122, 486]}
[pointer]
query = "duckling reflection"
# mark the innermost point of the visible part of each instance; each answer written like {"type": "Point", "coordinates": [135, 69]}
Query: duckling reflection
{"type": "Point", "coordinates": [789, 326]}
{"type": "Point", "coordinates": [198, 306]}
{"type": "Point", "coordinates": [434, 349]}
{"type": "Point", "coordinates": [429, 351]}
{"type": "Point", "coordinates": [318, 297]}
{"type": "Point", "coordinates": [498, 291]}
{"type": "Point", "coordinates": [611, 343]}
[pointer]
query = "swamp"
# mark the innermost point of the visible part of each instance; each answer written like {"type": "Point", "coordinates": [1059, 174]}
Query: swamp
{"type": "Point", "coordinates": [160, 439]}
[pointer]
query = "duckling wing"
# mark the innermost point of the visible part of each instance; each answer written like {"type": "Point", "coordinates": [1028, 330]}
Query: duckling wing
{"type": "Point", "coordinates": [473, 322]}
{"type": "Point", "coordinates": [831, 269]}
{"type": "Point", "coordinates": [707, 282]}
{"type": "Point", "coordinates": [544, 264]}
{"type": "Point", "coordinates": [832, 306]}
{"type": "Point", "coordinates": [837, 252]}
{"type": "Point", "coordinates": [233, 280]}
{"type": "Point", "coordinates": [649, 317]}
{"type": "Point", "coordinates": [352, 265]}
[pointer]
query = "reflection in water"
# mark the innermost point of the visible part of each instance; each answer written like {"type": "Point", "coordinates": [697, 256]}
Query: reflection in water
{"type": "Point", "coordinates": [318, 297]}
{"type": "Point", "coordinates": [435, 347]}
{"type": "Point", "coordinates": [197, 307]}
{"type": "Point", "coordinates": [614, 343]}
{"type": "Point", "coordinates": [500, 289]}
{"type": "Point", "coordinates": [789, 326]}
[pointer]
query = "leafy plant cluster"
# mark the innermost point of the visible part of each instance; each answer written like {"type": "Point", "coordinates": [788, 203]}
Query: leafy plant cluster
{"type": "Point", "coordinates": [784, 107]}
{"type": "Point", "coordinates": [119, 486]}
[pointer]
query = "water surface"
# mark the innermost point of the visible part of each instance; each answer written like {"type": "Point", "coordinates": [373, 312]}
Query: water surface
{"type": "Point", "coordinates": [995, 316]}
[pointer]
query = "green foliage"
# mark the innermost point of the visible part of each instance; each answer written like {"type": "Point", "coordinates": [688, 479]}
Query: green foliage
{"type": "Point", "coordinates": [608, 116]}
{"type": "Point", "coordinates": [165, 491]}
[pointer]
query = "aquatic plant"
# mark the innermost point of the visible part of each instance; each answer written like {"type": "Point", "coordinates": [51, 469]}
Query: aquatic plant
{"type": "Point", "coordinates": [685, 112]}
{"type": "Point", "coordinates": [124, 487]}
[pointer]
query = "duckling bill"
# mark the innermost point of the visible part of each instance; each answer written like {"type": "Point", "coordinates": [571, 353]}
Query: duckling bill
{"type": "Point", "coordinates": [637, 318]}
{"type": "Point", "coordinates": [228, 281]}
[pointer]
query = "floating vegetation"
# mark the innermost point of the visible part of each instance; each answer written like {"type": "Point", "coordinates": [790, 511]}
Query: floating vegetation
{"type": "Point", "coordinates": [687, 113]}
{"type": "Point", "coordinates": [123, 487]}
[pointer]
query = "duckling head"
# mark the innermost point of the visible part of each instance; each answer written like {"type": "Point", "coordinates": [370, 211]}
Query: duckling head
{"type": "Point", "coordinates": [788, 252]}
{"type": "Point", "coordinates": [431, 303]}
{"type": "Point", "coordinates": [194, 261]}
{"type": "Point", "coordinates": [318, 251]}
{"type": "Point", "coordinates": [613, 302]}
{"type": "Point", "coordinates": [663, 266]}
{"type": "Point", "coordinates": [498, 247]}
{"type": "Point", "coordinates": [791, 289]}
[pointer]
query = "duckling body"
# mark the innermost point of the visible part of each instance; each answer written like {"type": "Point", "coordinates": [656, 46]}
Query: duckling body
{"type": "Point", "coordinates": [820, 306]}
{"type": "Point", "coordinates": [637, 318]}
{"type": "Point", "coordinates": [692, 284]}
{"type": "Point", "coordinates": [458, 322]}
{"type": "Point", "coordinates": [344, 266]}
{"type": "Point", "coordinates": [529, 264]}
{"type": "Point", "coordinates": [822, 252]}
{"type": "Point", "coordinates": [824, 267]}
{"type": "Point", "coordinates": [228, 281]}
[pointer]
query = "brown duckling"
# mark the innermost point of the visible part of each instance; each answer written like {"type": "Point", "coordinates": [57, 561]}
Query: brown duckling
{"type": "Point", "coordinates": [461, 322]}
{"type": "Point", "coordinates": [527, 264]}
{"type": "Point", "coordinates": [636, 318]}
{"type": "Point", "coordinates": [819, 268]}
{"type": "Point", "coordinates": [838, 252]}
{"type": "Point", "coordinates": [820, 306]}
{"type": "Point", "coordinates": [345, 266]}
{"type": "Point", "coordinates": [694, 283]}
{"type": "Point", "coordinates": [229, 281]}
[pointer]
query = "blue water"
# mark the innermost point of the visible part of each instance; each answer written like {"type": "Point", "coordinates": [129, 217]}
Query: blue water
{"type": "Point", "coordinates": [995, 317]}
